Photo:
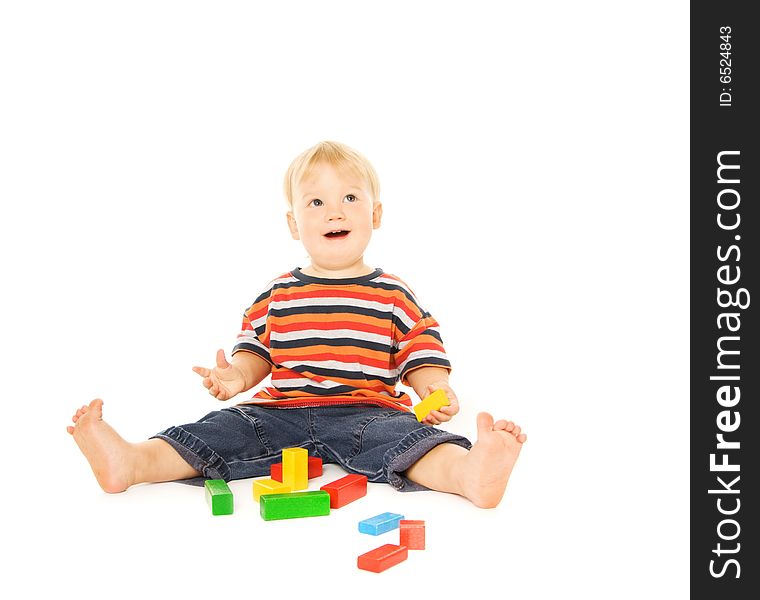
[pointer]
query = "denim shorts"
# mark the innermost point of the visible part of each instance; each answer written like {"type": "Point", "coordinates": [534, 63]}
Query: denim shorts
{"type": "Point", "coordinates": [243, 441]}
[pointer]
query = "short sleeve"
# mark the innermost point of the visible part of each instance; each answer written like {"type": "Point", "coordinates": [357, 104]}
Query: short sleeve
{"type": "Point", "coordinates": [417, 340]}
{"type": "Point", "coordinates": [254, 332]}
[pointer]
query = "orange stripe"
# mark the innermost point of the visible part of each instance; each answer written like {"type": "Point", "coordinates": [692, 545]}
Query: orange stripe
{"type": "Point", "coordinates": [410, 309]}
{"type": "Point", "coordinates": [376, 295]}
{"type": "Point", "coordinates": [290, 398]}
{"type": "Point", "coordinates": [316, 350]}
{"type": "Point", "coordinates": [278, 356]}
{"type": "Point", "coordinates": [418, 345]}
{"type": "Point", "coordinates": [369, 383]}
{"type": "Point", "coordinates": [330, 318]}
{"type": "Point", "coordinates": [280, 326]}
{"type": "Point", "coordinates": [258, 309]}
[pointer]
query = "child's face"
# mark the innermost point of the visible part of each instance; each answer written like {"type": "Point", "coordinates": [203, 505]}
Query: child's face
{"type": "Point", "coordinates": [333, 215]}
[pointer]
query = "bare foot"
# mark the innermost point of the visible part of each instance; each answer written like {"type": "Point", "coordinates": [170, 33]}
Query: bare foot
{"type": "Point", "coordinates": [489, 463]}
{"type": "Point", "coordinates": [106, 451]}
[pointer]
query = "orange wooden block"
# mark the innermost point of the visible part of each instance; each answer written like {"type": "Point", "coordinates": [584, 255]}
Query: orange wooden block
{"type": "Point", "coordinates": [382, 558]}
{"type": "Point", "coordinates": [412, 534]}
{"type": "Point", "coordinates": [315, 469]}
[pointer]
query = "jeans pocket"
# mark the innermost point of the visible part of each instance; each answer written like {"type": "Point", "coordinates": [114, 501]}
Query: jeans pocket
{"type": "Point", "coordinates": [372, 431]}
{"type": "Point", "coordinates": [358, 435]}
{"type": "Point", "coordinates": [258, 429]}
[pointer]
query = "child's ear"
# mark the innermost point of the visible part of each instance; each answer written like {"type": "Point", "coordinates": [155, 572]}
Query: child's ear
{"type": "Point", "coordinates": [377, 214]}
{"type": "Point", "coordinates": [293, 226]}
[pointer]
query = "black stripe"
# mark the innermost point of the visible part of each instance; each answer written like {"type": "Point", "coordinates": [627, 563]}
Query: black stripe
{"type": "Point", "coordinates": [260, 297]}
{"type": "Point", "coordinates": [305, 370]}
{"type": "Point", "coordinates": [371, 284]}
{"type": "Point", "coordinates": [252, 348]}
{"type": "Point", "coordinates": [418, 362]}
{"type": "Point", "coordinates": [318, 391]}
{"type": "Point", "coordinates": [298, 274]}
{"type": "Point", "coordinates": [337, 342]}
{"type": "Point", "coordinates": [394, 287]}
{"type": "Point", "coordinates": [330, 310]}
{"type": "Point", "coordinates": [427, 331]}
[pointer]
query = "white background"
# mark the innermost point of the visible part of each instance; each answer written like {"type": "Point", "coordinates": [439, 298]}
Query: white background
{"type": "Point", "coordinates": [533, 163]}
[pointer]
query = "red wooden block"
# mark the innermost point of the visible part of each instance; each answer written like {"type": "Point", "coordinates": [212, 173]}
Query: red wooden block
{"type": "Point", "coordinates": [412, 534]}
{"type": "Point", "coordinates": [346, 489]}
{"type": "Point", "coordinates": [382, 558]}
{"type": "Point", "coordinates": [315, 469]}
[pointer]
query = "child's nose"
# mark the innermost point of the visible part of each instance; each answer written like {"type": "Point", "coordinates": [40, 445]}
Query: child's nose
{"type": "Point", "coordinates": [335, 213]}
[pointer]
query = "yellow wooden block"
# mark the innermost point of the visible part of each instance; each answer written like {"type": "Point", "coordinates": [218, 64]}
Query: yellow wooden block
{"type": "Point", "coordinates": [269, 486]}
{"type": "Point", "coordinates": [432, 402]}
{"type": "Point", "coordinates": [295, 468]}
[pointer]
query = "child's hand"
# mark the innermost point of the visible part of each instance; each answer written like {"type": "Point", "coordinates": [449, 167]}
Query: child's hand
{"type": "Point", "coordinates": [436, 417]}
{"type": "Point", "coordinates": [223, 381]}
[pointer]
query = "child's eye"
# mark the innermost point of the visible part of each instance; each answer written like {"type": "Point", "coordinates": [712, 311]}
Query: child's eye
{"type": "Point", "coordinates": [353, 198]}
{"type": "Point", "coordinates": [316, 202]}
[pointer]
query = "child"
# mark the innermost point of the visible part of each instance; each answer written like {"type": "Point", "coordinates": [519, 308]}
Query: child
{"type": "Point", "coordinates": [335, 337]}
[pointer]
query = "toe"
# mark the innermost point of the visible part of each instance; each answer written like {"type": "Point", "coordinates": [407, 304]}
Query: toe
{"type": "Point", "coordinates": [500, 424]}
{"type": "Point", "coordinates": [509, 426]}
{"type": "Point", "coordinates": [70, 430]}
{"type": "Point", "coordinates": [97, 407]}
{"type": "Point", "coordinates": [516, 431]}
{"type": "Point", "coordinates": [522, 438]}
{"type": "Point", "coordinates": [484, 422]}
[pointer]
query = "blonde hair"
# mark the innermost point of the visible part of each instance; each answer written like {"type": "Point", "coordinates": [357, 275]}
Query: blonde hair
{"type": "Point", "coordinates": [339, 156]}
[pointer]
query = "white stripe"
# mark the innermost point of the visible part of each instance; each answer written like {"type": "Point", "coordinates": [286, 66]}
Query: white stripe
{"type": "Point", "coordinates": [269, 286]}
{"type": "Point", "coordinates": [396, 283]}
{"type": "Point", "coordinates": [352, 367]}
{"type": "Point", "coordinates": [330, 334]}
{"type": "Point", "coordinates": [261, 321]}
{"type": "Point", "coordinates": [405, 319]}
{"type": "Point", "coordinates": [284, 304]}
{"type": "Point", "coordinates": [250, 338]}
{"type": "Point", "coordinates": [283, 279]}
{"type": "Point", "coordinates": [422, 354]}
{"type": "Point", "coordinates": [303, 381]}
{"type": "Point", "coordinates": [402, 345]}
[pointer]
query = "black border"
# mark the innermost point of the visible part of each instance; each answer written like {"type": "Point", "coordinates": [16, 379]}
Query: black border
{"type": "Point", "coordinates": [715, 128]}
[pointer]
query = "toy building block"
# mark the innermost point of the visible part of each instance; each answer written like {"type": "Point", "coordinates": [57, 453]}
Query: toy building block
{"type": "Point", "coordinates": [382, 558]}
{"type": "Point", "coordinates": [412, 534]}
{"type": "Point", "coordinates": [295, 468]}
{"type": "Point", "coordinates": [219, 496]}
{"type": "Point", "coordinates": [433, 401]}
{"type": "Point", "coordinates": [380, 523]}
{"type": "Point", "coordinates": [292, 506]}
{"type": "Point", "coordinates": [269, 486]}
{"type": "Point", "coordinates": [346, 489]}
{"type": "Point", "coordinates": [314, 469]}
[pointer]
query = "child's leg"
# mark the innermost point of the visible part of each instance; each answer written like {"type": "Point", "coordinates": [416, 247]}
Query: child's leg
{"type": "Point", "coordinates": [480, 474]}
{"type": "Point", "coordinates": [118, 464]}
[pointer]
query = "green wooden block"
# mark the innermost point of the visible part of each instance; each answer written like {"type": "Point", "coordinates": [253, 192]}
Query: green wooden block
{"type": "Point", "coordinates": [219, 496]}
{"type": "Point", "coordinates": [293, 506]}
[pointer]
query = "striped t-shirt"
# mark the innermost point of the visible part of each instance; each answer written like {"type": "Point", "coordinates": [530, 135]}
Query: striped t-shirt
{"type": "Point", "coordinates": [337, 341]}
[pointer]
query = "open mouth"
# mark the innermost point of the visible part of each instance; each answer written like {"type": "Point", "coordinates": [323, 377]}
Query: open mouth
{"type": "Point", "coordinates": [337, 234]}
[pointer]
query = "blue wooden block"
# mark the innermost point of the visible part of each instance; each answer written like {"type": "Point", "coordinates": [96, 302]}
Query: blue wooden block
{"type": "Point", "coordinates": [380, 523]}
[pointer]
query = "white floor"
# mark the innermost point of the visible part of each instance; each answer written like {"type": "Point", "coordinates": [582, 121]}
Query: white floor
{"type": "Point", "coordinates": [534, 169]}
{"type": "Point", "coordinates": [568, 525]}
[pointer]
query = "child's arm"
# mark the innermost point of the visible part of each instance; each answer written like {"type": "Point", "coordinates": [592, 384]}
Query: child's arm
{"type": "Point", "coordinates": [229, 379]}
{"type": "Point", "coordinates": [425, 380]}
